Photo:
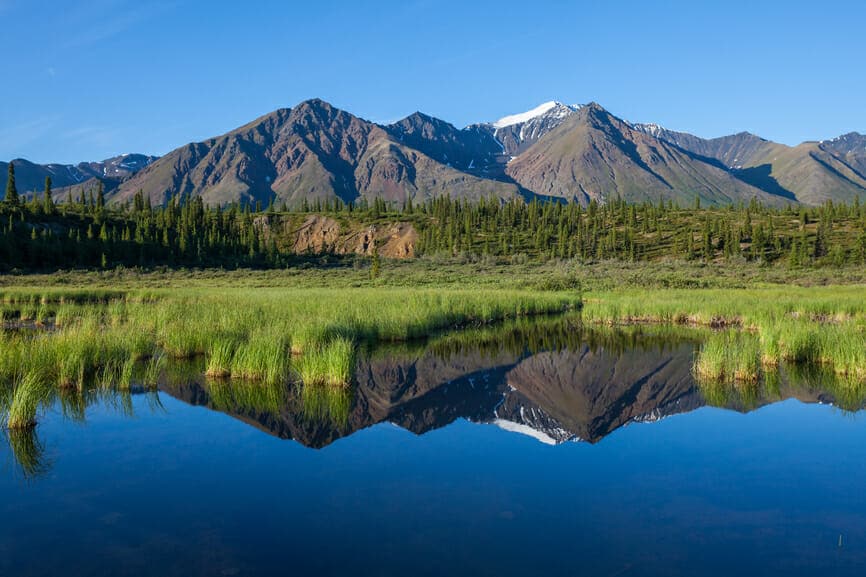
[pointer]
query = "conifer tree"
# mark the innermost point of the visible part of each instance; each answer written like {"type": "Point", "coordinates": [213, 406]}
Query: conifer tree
{"type": "Point", "coordinates": [100, 196]}
{"type": "Point", "coordinates": [11, 197]}
{"type": "Point", "coordinates": [47, 201]}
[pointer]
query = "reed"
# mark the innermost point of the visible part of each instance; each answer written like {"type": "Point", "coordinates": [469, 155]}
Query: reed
{"type": "Point", "coordinates": [153, 368]}
{"type": "Point", "coordinates": [330, 364]}
{"type": "Point", "coordinates": [264, 357]}
{"type": "Point", "coordinates": [28, 393]}
{"type": "Point", "coordinates": [730, 356]}
{"type": "Point", "coordinates": [220, 356]}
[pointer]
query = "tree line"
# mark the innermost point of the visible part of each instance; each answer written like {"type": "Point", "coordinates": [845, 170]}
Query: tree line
{"type": "Point", "coordinates": [83, 231]}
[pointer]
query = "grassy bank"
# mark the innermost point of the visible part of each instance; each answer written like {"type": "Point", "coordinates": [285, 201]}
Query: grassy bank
{"type": "Point", "coordinates": [270, 336]}
{"type": "Point", "coordinates": [437, 273]}
{"type": "Point", "coordinates": [817, 326]}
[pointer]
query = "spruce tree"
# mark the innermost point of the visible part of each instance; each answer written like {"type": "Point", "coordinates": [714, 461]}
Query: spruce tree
{"type": "Point", "coordinates": [11, 191]}
{"type": "Point", "coordinates": [100, 196]}
{"type": "Point", "coordinates": [47, 201]}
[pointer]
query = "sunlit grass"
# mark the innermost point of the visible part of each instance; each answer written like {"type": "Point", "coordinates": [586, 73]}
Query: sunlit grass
{"type": "Point", "coordinates": [27, 395]}
{"type": "Point", "coordinates": [329, 364]}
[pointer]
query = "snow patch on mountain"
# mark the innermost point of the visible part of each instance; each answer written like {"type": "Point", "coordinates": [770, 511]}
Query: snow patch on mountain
{"type": "Point", "coordinates": [559, 109]}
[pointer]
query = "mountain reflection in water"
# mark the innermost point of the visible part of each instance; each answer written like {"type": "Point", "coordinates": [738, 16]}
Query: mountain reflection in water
{"type": "Point", "coordinates": [555, 382]}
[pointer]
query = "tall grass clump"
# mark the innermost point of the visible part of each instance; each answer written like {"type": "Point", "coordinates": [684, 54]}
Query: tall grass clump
{"type": "Point", "coordinates": [264, 357]}
{"type": "Point", "coordinates": [220, 356]}
{"type": "Point", "coordinates": [843, 346]}
{"type": "Point", "coordinates": [153, 368]}
{"type": "Point", "coordinates": [28, 393]}
{"type": "Point", "coordinates": [329, 364]}
{"type": "Point", "coordinates": [729, 357]}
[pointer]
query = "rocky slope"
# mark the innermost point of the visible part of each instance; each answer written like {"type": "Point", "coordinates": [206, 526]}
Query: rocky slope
{"type": "Point", "coordinates": [595, 155]}
{"type": "Point", "coordinates": [317, 234]}
{"type": "Point", "coordinates": [315, 151]}
{"type": "Point", "coordinates": [810, 173]}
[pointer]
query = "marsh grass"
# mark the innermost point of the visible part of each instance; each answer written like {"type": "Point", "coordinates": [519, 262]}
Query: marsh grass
{"type": "Point", "coordinates": [27, 396]}
{"type": "Point", "coordinates": [730, 357]}
{"type": "Point", "coordinates": [153, 369]}
{"type": "Point", "coordinates": [220, 356]}
{"type": "Point", "coordinates": [264, 358]}
{"type": "Point", "coordinates": [330, 364]}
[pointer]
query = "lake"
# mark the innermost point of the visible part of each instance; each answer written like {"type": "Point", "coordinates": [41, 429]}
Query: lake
{"type": "Point", "coordinates": [525, 451]}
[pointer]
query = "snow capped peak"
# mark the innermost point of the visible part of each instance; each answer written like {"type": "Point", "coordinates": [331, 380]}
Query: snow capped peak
{"type": "Point", "coordinates": [559, 108]}
{"type": "Point", "coordinates": [651, 128]}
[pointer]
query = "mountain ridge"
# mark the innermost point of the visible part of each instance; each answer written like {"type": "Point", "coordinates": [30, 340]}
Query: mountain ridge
{"type": "Point", "coordinates": [573, 153]}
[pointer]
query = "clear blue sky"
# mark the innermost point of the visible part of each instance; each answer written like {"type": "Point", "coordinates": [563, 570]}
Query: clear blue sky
{"type": "Point", "coordinates": [84, 80]}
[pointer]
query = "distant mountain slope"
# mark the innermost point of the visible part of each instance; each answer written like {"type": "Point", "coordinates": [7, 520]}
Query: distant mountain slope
{"type": "Point", "coordinates": [595, 155]}
{"type": "Point", "coordinates": [313, 151]}
{"type": "Point", "coordinates": [811, 172]}
{"type": "Point", "coordinates": [30, 177]}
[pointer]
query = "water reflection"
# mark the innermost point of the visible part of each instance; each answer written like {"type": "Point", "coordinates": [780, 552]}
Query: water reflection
{"type": "Point", "coordinates": [554, 380]}
{"type": "Point", "coordinates": [27, 452]}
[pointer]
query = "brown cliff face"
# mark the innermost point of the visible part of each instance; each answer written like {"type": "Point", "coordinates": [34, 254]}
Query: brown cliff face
{"type": "Point", "coordinates": [318, 234]}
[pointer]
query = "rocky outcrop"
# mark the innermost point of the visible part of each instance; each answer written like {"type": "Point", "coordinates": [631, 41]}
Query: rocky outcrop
{"type": "Point", "coordinates": [319, 234]}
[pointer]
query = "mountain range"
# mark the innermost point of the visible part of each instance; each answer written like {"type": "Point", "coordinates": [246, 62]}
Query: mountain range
{"type": "Point", "coordinates": [556, 151]}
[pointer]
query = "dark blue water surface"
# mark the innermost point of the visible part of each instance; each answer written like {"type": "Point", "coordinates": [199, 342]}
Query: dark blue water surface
{"type": "Point", "coordinates": [449, 463]}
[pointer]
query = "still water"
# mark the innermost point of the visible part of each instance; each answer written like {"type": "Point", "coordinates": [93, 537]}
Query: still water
{"type": "Point", "coordinates": [487, 454]}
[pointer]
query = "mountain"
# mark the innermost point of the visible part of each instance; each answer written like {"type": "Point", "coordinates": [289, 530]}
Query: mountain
{"type": "Point", "coordinates": [517, 132]}
{"type": "Point", "coordinates": [593, 154]}
{"type": "Point", "coordinates": [810, 173]}
{"type": "Point", "coordinates": [556, 151]}
{"type": "Point", "coordinates": [482, 149]}
{"type": "Point", "coordinates": [30, 177]}
{"type": "Point", "coordinates": [470, 149]}
{"type": "Point", "coordinates": [314, 152]}
{"type": "Point", "coordinates": [849, 148]}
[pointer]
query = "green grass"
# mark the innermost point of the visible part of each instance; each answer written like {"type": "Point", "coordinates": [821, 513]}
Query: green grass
{"type": "Point", "coordinates": [263, 357]}
{"type": "Point", "coordinates": [730, 357]}
{"type": "Point", "coordinates": [220, 356]}
{"type": "Point", "coordinates": [272, 326]}
{"type": "Point", "coordinates": [153, 369]}
{"type": "Point", "coordinates": [27, 395]}
{"type": "Point", "coordinates": [801, 325]}
{"type": "Point", "coordinates": [328, 364]}
{"type": "Point", "coordinates": [118, 338]}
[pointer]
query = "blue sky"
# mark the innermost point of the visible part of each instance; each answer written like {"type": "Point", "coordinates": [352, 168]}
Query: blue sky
{"type": "Point", "coordinates": [85, 80]}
